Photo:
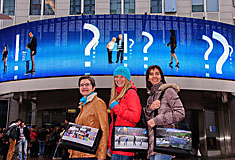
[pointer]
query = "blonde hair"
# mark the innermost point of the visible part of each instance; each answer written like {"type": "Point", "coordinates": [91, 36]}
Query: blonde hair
{"type": "Point", "coordinates": [113, 96]}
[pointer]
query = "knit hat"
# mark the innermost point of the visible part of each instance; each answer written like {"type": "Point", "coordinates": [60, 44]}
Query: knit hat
{"type": "Point", "coordinates": [124, 71]}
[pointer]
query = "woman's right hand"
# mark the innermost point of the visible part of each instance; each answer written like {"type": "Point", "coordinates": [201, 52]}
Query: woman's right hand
{"type": "Point", "coordinates": [155, 105]}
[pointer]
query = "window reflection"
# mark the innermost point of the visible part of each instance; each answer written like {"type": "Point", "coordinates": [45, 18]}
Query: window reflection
{"type": "Point", "coordinates": [115, 7]}
{"type": "Point", "coordinates": [35, 7]}
{"type": "Point", "coordinates": [156, 6]}
{"type": "Point", "coordinates": [89, 6]}
{"type": "Point", "coordinates": [75, 7]}
{"type": "Point", "coordinates": [9, 7]}
{"type": "Point", "coordinates": [49, 7]}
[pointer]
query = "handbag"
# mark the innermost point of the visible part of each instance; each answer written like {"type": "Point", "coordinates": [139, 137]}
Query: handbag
{"type": "Point", "coordinates": [172, 141]}
{"type": "Point", "coordinates": [81, 138]}
{"type": "Point", "coordinates": [127, 139]}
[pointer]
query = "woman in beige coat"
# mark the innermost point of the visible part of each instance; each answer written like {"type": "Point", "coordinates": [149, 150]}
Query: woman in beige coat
{"type": "Point", "coordinates": [93, 113]}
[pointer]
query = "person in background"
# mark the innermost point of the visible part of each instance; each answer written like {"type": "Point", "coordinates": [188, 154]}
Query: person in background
{"type": "Point", "coordinates": [23, 139]}
{"type": "Point", "coordinates": [10, 136]}
{"type": "Point", "coordinates": [125, 104]}
{"type": "Point", "coordinates": [4, 57]}
{"type": "Point", "coordinates": [3, 146]}
{"type": "Point", "coordinates": [169, 107]}
{"type": "Point", "coordinates": [173, 44]}
{"type": "Point", "coordinates": [34, 141]}
{"type": "Point", "coordinates": [41, 136]}
{"type": "Point", "coordinates": [93, 113]}
{"type": "Point", "coordinates": [120, 47]}
{"type": "Point", "coordinates": [109, 47]}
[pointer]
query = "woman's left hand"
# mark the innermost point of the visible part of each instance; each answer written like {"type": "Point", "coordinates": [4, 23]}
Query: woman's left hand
{"type": "Point", "coordinates": [151, 123]}
{"type": "Point", "coordinates": [100, 159]}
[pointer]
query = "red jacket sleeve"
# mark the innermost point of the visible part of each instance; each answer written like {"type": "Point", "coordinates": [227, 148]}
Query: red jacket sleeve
{"type": "Point", "coordinates": [129, 107]}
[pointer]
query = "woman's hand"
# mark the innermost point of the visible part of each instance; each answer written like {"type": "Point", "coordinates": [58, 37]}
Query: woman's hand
{"type": "Point", "coordinates": [108, 153]}
{"type": "Point", "coordinates": [155, 105]}
{"type": "Point", "coordinates": [151, 123]}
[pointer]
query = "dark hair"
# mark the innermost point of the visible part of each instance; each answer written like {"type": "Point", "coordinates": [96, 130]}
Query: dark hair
{"type": "Point", "coordinates": [18, 120]}
{"type": "Point", "coordinates": [172, 31]}
{"type": "Point", "coordinates": [149, 84]}
{"type": "Point", "coordinates": [28, 45]}
{"type": "Point", "coordinates": [92, 80]}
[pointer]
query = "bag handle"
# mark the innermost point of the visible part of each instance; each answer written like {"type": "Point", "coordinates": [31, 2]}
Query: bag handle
{"type": "Point", "coordinates": [159, 98]}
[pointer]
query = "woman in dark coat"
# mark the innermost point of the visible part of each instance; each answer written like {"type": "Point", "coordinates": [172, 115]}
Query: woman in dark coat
{"type": "Point", "coordinates": [173, 44]}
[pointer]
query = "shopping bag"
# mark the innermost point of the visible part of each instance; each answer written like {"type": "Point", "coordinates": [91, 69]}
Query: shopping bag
{"type": "Point", "coordinates": [172, 141]}
{"type": "Point", "coordinates": [81, 138]}
{"type": "Point", "coordinates": [129, 139]}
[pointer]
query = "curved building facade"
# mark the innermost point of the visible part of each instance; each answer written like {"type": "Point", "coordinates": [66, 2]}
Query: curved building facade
{"type": "Point", "coordinates": [71, 41]}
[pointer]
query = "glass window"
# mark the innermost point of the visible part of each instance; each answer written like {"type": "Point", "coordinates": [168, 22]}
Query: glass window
{"type": "Point", "coordinates": [197, 6]}
{"type": "Point", "coordinates": [115, 7]}
{"type": "Point", "coordinates": [89, 6]}
{"type": "Point", "coordinates": [9, 7]}
{"type": "Point", "coordinates": [49, 7]}
{"type": "Point", "coordinates": [156, 6]}
{"type": "Point", "coordinates": [75, 7]}
{"type": "Point", "coordinates": [35, 7]}
{"type": "Point", "coordinates": [129, 6]}
{"type": "Point", "coordinates": [212, 5]}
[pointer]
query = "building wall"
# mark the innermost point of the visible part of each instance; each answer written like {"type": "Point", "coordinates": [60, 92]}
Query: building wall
{"type": "Point", "coordinates": [184, 8]}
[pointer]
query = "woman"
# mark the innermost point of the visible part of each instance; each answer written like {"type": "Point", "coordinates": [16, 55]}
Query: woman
{"type": "Point", "coordinates": [125, 104]}
{"type": "Point", "coordinates": [170, 108]}
{"type": "Point", "coordinates": [109, 47]}
{"type": "Point", "coordinates": [173, 44]}
{"type": "Point", "coordinates": [93, 113]}
{"type": "Point", "coordinates": [4, 58]}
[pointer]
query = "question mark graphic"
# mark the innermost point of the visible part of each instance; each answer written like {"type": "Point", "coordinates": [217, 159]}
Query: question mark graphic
{"type": "Point", "coordinates": [210, 46]}
{"type": "Point", "coordinates": [225, 55]}
{"type": "Point", "coordinates": [231, 53]}
{"type": "Point", "coordinates": [145, 50]}
{"type": "Point", "coordinates": [150, 37]}
{"type": "Point", "coordinates": [208, 51]}
{"type": "Point", "coordinates": [132, 43]}
{"type": "Point", "coordinates": [95, 40]}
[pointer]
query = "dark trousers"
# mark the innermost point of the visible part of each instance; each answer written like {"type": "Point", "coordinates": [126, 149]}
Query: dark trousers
{"type": "Point", "coordinates": [118, 55]}
{"type": "Point", "coordinates": [27, 66]}
{"type": "Point", "coordinates": [109, 55]}
{"type": "Point", "coordinates": [33, 62]}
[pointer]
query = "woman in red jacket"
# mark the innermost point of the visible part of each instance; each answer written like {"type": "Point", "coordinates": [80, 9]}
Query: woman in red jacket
{"type": "Point", "coordinates": [125, 104]}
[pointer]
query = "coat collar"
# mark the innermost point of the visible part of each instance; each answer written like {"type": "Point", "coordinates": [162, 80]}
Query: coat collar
{"type": "Point", "coordinates": [169, 85]}
{"type": "Point", "coordinates": [161, 87]}
{"type": "Point", "coordinates": [90, 98]}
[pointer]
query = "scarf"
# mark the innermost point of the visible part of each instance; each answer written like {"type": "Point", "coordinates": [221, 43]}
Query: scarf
{"type": "Point", "coordinates": [154, 88]}
{"type": "Point", "coordinates": [84, 99]}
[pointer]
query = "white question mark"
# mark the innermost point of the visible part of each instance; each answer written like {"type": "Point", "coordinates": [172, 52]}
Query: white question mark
{"type": "Point", "coordinates": [150, 37]}
{"type": "Point", "coordinates": [132, 43]}
{"type": "Point", "coordinates": [95, 40]}
{"type": "Point", "coordinates": [225, 55]}
{"type": "Point", "coordinates": [210, 46]}
{"type": "Point", "coordinates": [231, 52]}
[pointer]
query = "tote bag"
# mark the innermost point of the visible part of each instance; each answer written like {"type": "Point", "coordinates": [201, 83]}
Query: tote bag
{"type": "Point", "coordinates": [81, 138]}
{"type": "Point", "coordinates": [172, 141]}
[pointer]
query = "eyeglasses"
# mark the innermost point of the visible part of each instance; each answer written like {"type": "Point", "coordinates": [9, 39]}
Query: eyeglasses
{"type": "Point", "coordinates": [85, 85]}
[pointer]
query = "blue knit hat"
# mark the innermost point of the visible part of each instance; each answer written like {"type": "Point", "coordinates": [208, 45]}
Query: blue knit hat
{"type": "Point", "coordinates": [124, 71]}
